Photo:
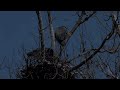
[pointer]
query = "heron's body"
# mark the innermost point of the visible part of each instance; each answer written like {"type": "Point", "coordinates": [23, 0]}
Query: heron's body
{"type": "Point", "coordinates": [61, 34]}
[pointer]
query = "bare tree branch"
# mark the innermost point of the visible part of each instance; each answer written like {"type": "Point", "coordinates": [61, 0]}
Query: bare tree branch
{"type": "Point", "coordinates": [51, 30]}
{"type": "Point", "coordinates": [41, 34]}
{"type": "Point", "coordinates": [91, 56]}
{"type": "Point", "coordinates": [80, 20]}
{"type": "Point", "coordinates": [78, 23]}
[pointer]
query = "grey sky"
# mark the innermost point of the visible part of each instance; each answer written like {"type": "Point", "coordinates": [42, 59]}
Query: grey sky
{"type": "Point", "coordinates": [15, 30]}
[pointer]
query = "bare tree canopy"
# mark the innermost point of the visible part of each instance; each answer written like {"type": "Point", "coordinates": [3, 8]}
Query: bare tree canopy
{"type": "Point", "coordinates": [73, 45]}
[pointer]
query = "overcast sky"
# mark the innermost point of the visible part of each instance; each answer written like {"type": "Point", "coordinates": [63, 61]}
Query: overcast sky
{"type": "Point", "coordinates": [16, 29]}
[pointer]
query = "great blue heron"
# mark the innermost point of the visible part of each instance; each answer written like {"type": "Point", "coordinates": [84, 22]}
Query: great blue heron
{"type": "Point", "coordinates": [61, 34]}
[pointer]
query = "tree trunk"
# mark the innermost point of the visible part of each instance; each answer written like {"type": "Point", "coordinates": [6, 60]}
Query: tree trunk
{"type": "Point", "coordinates": [51, 30]}
{"type": "Point", "coordinates": [41, 34]}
